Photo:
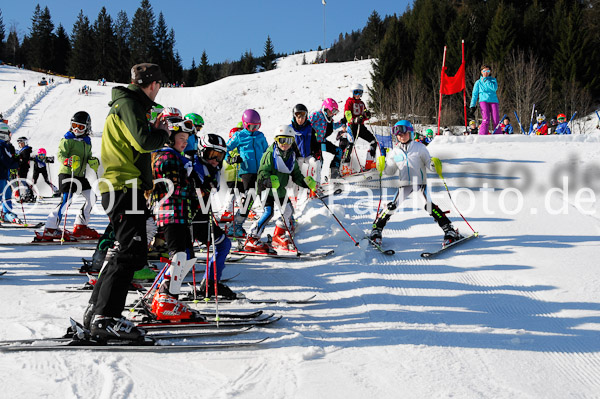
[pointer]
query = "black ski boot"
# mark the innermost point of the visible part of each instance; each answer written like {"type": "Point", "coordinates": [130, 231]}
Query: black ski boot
{"type": "Point", "coordinates": [106, 328]}
{"type": "Point", "coordinates": [450, 234]}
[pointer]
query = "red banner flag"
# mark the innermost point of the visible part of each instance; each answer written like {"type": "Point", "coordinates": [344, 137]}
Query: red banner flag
{"type": "Point", "coordinates": [453, 84]}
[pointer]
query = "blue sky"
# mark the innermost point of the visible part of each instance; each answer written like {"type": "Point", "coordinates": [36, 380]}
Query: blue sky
{"type": "Point", "coordinates": [225, 29]}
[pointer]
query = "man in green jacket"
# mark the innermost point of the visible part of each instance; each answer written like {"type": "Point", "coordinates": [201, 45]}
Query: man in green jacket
{"type": "Point", "coordinates": [127, 141]}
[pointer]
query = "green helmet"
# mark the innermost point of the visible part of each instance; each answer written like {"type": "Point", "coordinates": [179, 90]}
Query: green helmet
{"type": "Point", "coordinates": [240, 125]}
{"type": "Point", "coordinates": [195, 118]}
{"type": "Point", "coordinates": [154, 112]}
{"type": "Point", "coordinates": [429, 133]}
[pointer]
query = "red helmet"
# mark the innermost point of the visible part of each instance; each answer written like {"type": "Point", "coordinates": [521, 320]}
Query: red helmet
{"type": "Point", "coordinates": [41, 151]}
{"type": "Point", "coordinates": [561, 116]}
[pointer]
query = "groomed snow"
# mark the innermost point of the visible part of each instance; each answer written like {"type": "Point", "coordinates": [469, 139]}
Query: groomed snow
{"type": "Point", "coordinates": [514, 313]}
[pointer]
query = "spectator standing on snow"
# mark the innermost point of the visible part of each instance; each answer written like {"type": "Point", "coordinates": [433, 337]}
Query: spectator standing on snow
{"type": "Point", "coordinates": [484, 92]}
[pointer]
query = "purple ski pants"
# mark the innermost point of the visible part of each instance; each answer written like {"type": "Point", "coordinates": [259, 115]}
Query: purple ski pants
{"type": "Point", "coordinates": [488, 110]}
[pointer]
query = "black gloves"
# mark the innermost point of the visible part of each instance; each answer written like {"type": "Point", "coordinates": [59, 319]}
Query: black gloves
{"type": "Point", "coordinates": [235, 159]}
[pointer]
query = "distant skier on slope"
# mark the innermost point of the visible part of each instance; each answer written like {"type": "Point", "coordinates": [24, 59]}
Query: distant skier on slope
{"type": "Point", "coordinates": [409, 160]}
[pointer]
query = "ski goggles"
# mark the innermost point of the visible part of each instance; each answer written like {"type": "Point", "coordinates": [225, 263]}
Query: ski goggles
{"type": "Point", "coordinates": [401, 129]}
{"type": "Point", "coordinates": [252, 127]}
{"type": "Point", "coordinates": [485, 70]}
{"type": "Point", "coordinates": [332, 111]}
{"type": "Point", "coordinates": [284, 140]}
{"type": "Point", "coordinates": [79, 126]}
{"type": "Point", "coordinates": [357, 93]}
{"type": "Point", "coordinates": [211, 154]}
{"type": "Point", "coordinates": [185, 126]}
{"type": "Point", "coordinates": [561, 119]}
{"type": "Point", "coordinates": [300, 114]}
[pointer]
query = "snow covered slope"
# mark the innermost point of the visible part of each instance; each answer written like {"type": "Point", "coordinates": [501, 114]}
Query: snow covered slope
{"type": "Point", "coordinates": [513, 313]}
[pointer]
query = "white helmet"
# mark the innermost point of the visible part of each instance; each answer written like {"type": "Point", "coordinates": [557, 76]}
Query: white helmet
{"type": "Point", "coordinates": [4, 132]}
{"type": "Point", "coordinates": [357, 86]}
{"type": "Point", "coordinates": [285, 130]}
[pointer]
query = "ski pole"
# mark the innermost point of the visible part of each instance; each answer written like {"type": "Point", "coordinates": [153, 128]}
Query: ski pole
{"type": "Point", "coordinates": [572, 117]}
{"type": "Point", "coordinates": [439, 172]}
{"type": "Point", "coordinates": [531, 120]}
{"type": "Point", "coordinates": [338, 220]}
{"type": "Point", "coordinates": [519, 122]}
{"type": "Point", "coordinates": [499, 124]}
{"type": "Point", "coordinates": [67, 198]}
{"type": "Point", "coordinates": [156, 280]}
{"type": "Point", "coordinates": [214, 250]}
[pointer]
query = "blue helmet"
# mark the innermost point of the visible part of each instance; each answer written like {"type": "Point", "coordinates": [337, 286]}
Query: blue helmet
{"type": "Point", "coordinates": [402, 127]}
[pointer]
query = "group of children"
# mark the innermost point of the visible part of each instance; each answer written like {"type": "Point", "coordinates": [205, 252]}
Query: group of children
{"type": "Point", "coordinates": [560, 125]}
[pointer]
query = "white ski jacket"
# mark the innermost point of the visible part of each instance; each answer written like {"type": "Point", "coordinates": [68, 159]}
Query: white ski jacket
{"type": "Point", "coordinates": [410, 162]}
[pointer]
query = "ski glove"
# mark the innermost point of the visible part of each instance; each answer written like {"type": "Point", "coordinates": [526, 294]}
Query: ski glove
{"type": "Point", "coordinates": [311, 183]}
{"type": "Point", "coordinates": [274, 182]}
{"type": "Point", "coordinates": [235, 159]}
{"type": "Point", "coordinates": [94, 163]}
{"type": "Point", "coordinates": [73, 162]}
{"type": "Point", "coordinates": [437, 164]}
{"type": "Point", "coordinates": [381, 164]}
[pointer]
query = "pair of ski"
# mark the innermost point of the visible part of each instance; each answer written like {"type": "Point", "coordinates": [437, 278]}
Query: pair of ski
{"type": "Point", "coordinates": [284, 254]}
{"type": "Point", "coordinates": [79, 339]}
{"type": "Point", "coordinates": [6, 225]}
{"type": "Point", "coordinates": [427, 255]}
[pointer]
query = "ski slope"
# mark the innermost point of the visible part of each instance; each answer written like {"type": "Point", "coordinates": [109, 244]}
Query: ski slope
{"type": "Point", "coordinates": [513, 313]}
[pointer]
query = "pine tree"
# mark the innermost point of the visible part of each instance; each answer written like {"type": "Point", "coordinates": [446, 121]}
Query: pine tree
{"type": "Point", "coordinates": [2, 35]}
{"type": "Point", "coordinates": [269, 57]}
{"type": "Point", "coordinates": [81, 61]}
{"type": "Point", "coordinates": [433, 17]}
{"type": "Point", "coordinates": [192, 75]}
{"type": "Point", "coordinates": [204, 71]}
{"type": "Point", "coordinates": [502, 36]}
{"type": "Point", "coordinates": [62, 47]}
{"type": "Point", "coordinates": [12, 46]}
{"type": "Point", "coordinates": [123, 54]}
{"type": "Point", "coordinates": [141, 39]}
{"type": "Point", "coordinates": [247, 63]}
{"type": "Point", "coordinates": [41, 51]}
{"type": "Point", "coordinates": [372, 35]}
{"type": "Point", "coordinates": [163, 50]}
{"type": "Point", "coordinates": [105, 54]}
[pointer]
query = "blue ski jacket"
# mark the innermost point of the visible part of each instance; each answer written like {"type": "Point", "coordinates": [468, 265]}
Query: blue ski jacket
{"type": "Point", "coordinates": [484, 90]}
{"type": "Point", "coordinates": [251, 146]}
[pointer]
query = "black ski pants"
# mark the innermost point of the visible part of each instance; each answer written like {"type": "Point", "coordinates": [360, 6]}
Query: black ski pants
{"type": "Point", "coordinates": [127, 216]}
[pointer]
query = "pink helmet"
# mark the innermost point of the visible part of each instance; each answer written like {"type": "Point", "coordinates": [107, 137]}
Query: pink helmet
{"type": "Point", "coordinates": [250, 117]}
{"type": "Point", "coordinates": [331, 105]}
{"type": "Point", "coordinates": [41, 151]}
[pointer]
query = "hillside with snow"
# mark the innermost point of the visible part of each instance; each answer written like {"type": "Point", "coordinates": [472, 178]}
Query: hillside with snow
{"type": "Point", "coordinates": [514, 313]}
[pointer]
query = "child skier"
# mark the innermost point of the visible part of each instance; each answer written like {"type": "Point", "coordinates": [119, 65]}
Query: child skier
{"type": "Point", "coordinates": [277, 165]}
{"type": "Point", "coordinates": [75, 154]}
{"type": "Point", "coordinates": [563, 125]}
{"type": "Point", "coordinates": [356, 113]}
{"type": "Point", "coordinates": [232, 177]}
{"type": "Point", "coordinates": [23, 157]}
{"type": "Point", "coordinates": [251, 143]}
{"type": "Point", "coordinates": [409, 160]}
{"type": "Point", "coordinates": [322, 122]}
{"type": "Point", "coordinates": [207, 166]}
{"type": "Point", "coordinates": [173, 209]}
{"type": "Point", "coordinates": [40, 167]}
{"type": "Point", "coordinates": [192, 146]}
{"type": "Point", "coordinates": [473, 128]}
{"type": "Point", "coordinates": [309, 150]}
{"type": "Point", "coordinates": [8, 162]}
{"type": "Point", "coordinates": [506, 127]}
{"type": "Point", "coordinates": [541, 127]}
